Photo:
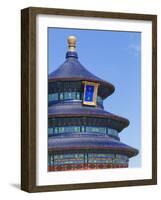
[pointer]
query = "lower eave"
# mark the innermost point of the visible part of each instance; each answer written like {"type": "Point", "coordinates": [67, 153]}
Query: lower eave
{"type": "Point", "coordinates": [94, 144]}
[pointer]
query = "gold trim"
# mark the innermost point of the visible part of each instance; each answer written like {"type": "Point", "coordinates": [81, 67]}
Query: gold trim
{"type": "Point", "coordinates": [94, 102]}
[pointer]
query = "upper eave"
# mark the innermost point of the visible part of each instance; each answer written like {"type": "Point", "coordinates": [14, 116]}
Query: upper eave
{"type": "Point", "coordinates": [73, 70]}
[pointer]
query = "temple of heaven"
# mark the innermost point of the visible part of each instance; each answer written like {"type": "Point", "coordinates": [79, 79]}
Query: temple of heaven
{"type": "Point", "coordinates": [81, 134]}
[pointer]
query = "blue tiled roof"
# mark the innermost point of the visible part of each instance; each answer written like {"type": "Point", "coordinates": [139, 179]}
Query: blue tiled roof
{"type": "Point", "coordinates": [94, 142]}
{"type": "Point", "coordinates": [72, 69]}
{"type": "Point", "coordinates": [80, 110]}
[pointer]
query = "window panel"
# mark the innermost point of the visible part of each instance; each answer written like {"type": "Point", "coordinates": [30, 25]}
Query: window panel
{"type": "Point", "coordinates": [78, 129]}
{"type": "Point", "coordinates": [112, 132]}
{"type": "Point", "coordinates": [70, 96]}
{"type": "Point", "coordinates": [56, 130]}
{"type": "Point", "coordinates": [96, 129]}
{"type": "Point", "coordinates": [78, 95]}
{"type": "Point", "coordinates": [61, 96]}
{"type": "Point", "coordinates": [61, 129]}
{"type": "Point", "coordinates": [66, 95]}
{"type": "Point", "coordinates": [49, 97]}
{"type": "Point", "coordinates": [73, 95]}
{"type": "Point", "coordinates": [83, 129]}
{"type": "Point", "coordinates": [55, 96]}
{"type": "Point", "coordinates": [50, 131]}
{"type": "Point", "coordinates": [99, 100]}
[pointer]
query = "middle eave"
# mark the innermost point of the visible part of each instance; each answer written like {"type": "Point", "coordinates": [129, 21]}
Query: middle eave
{"type": "Point", "coordinates": [78, 110]}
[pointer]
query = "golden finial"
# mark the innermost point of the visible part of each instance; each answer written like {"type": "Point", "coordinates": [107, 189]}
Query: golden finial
{"type": "Point", "coordinates": [71, 43]}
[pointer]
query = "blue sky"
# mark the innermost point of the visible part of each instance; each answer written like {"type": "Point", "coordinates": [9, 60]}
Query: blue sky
{"type": "Point", "coordinates": [115, 57]}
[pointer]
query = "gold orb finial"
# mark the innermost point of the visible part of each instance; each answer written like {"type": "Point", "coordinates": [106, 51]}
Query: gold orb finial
{"type": "Point", "coordinates": [72, 43]}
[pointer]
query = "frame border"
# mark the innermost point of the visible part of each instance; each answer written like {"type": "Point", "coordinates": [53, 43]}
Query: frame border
{"type": "Point", "coordinates": [28, 98]}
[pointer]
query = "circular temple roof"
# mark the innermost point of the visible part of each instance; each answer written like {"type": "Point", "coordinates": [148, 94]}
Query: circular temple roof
{"type": "Point", "coordinates": [73, 70]}
{"type": "Point", "coordinates": [94, 143]}
{"type": "Point", "coordinates": [77, 110]}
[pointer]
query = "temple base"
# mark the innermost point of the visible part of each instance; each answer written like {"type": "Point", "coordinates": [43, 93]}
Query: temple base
{"type": "Point", "coordinates": [85, 167]}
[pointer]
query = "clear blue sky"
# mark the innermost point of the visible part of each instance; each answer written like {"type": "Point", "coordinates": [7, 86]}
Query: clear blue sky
{"type": "Point", "coordinates": [115, 57]}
